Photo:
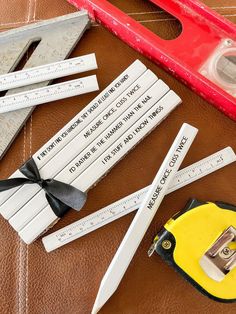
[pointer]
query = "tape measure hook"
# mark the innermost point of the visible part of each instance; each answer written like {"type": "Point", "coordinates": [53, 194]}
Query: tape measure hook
{"type": "Point", "coordinates": [220, 259]}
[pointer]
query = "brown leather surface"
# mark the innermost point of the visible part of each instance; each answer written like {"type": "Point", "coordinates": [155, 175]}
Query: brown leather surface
{"type": "Point", "coordinates": [67, 280]}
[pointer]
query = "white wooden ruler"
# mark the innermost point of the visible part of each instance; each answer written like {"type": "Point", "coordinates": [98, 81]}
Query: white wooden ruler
{"type": "Point", "coordinates": [48, 72]}
{"type": "Point", "coordinates": [49, 93]}
{"type": "Point", "coordinates": [131, 203]}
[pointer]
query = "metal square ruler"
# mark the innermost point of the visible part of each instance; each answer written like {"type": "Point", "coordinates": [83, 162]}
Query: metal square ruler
{"type": "Point", "coordinates": [57, 37]}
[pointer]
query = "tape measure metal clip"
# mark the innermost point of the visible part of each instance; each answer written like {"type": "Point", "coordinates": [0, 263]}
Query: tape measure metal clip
{"type": "Point", "coordinates": [220, 259]}
{"type": "Point", "coordinates": [200, 243]}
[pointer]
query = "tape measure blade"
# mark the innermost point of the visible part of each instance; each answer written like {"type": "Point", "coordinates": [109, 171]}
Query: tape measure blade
{"type": "Point", "coordinates": [58, 38]}
{"type": "Point", "coordinates": [127, 204]}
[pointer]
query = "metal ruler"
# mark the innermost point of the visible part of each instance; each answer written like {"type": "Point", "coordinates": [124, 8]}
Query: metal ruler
{"type": "Point", "coordinates": [48, 72]}
{"type": "Point", "coordinates": [49, 93]}
{"type": "Point", "coordinates": [130, 203]}
{"type": "Point", "coordinates": [57, 38]}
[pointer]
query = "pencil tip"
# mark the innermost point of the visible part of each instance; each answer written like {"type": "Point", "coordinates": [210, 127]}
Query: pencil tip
{"type": "Point", "coordinates": [95, 309]}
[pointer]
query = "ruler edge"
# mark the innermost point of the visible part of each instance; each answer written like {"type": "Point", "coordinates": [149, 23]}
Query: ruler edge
{"type": "Point", "coordinates": [227, 149]}
{"type": "Point", "coordinates": [26, 70]}
{"type": "Point", "coordinates": [38, 90]}
{"type": "Point", "coordinates": [119, 202]}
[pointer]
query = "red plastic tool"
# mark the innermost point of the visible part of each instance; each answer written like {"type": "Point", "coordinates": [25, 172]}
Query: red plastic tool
{"type": "Point", "coordinates": [203, 56]}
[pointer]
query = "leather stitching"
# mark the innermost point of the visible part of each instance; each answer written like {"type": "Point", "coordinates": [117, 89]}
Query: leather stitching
{"type": "Point", "coordinates": [35, 7]}
{"type": "Point", "coordinates": [20, 278]}
{"type": "Point", "coordinates": [26, 279]}
{"type": "Point", "coordinates": [29, 11]}
{"type": "Point", "coordinates": [22, 22]}
{"type": "Point", "coordinates": [31, 133]}
{"type": "Point", "coordinates": [161, 11]}
{"type": "Point", "coordinates": [131, 13]}
{"type": "Point", "coordinates": [30, 8]}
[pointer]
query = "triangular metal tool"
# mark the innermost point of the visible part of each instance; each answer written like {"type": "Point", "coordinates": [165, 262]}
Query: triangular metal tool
{"type": "Point", "coordinates": [57, 37]}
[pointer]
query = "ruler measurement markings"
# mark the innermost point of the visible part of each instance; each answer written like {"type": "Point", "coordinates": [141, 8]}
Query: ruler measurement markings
{"type": "Point", "coordinates": [132, 201]}
{"type": "Point", "coordinates": [199, 166]}
{"type": "Point", "coordinates": [48, 94]}
{"type": "Point", "coordinates": [35, 93]}
{"type": "Point", "coordinates": [48, 72]}
{"type": "Point", "coordinates": [103, 213]}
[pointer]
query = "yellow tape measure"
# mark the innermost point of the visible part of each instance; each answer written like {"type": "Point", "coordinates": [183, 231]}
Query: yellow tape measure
{"type": "Point", "coordinates": [200, 243]}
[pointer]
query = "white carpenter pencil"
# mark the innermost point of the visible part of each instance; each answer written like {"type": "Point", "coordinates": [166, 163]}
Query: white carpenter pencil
{"type": "Point", "coordinates": [146, 213]}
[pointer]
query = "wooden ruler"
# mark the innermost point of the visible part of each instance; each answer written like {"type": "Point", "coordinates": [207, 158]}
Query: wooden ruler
{"type": "Point", "coordinates": [49, 93]}
{"type": "Point", "coordinates": [47, 72]}
{"type": "Point", "coordinates": [131, 202]}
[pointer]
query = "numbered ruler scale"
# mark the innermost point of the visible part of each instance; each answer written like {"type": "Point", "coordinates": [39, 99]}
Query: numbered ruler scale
{"type": "Point", "coordinates": [48, 72]}
{"type": "Point", "coordinates": [50, 93]}
{"type": "Point", "coordinates": [131, 203]}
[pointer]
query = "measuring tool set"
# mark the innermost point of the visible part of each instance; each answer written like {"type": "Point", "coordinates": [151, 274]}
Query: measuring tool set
{"type": "Point", "coordinates": [199, 241]}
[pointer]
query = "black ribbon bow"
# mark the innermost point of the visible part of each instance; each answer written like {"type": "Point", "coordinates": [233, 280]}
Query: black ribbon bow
{"type": "Point", "coordinates": [60, 196]}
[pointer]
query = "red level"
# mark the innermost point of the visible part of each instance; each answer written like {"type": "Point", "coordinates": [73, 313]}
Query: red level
{"type": "Point", "coordinates": [203, 56]}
